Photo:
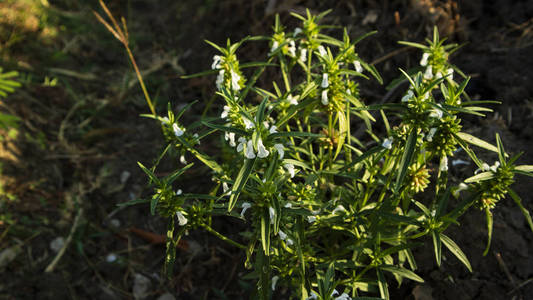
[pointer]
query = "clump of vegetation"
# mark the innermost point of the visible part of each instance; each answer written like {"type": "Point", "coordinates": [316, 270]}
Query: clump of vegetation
{"type": "Point", "coordinates": [329, 213]}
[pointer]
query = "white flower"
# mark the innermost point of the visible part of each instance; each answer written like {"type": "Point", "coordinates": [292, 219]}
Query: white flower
{"type": "Point", "coordinates": [337, 209]}
{"type": "Point", "coordinates": [245, 206]}
{"type": "Point", "coordinates": [325, 100]}
{"type": "Point", "coordinates": [357, 66]}
{"type": "Point", "coordinates": [426, 96]}
{"type": "Point", "coordinates": [344, 296]}
{"type": "Point", "coordinates": [226, 189]}
{"type": "Point", "coordinates": [282, 235]}
{"type": "Point", "coordinates": [494, 167]}
{"type": "Point", "coordinates": [235, 81]}
{"type": "Point", "coordinates": [438, 75]}
{"type": "Point", "coordinates": [288, 205]}
{"type": "Point", "coordinates": [443, 164]}
{"type": "Point", "coordinates": [424, 60]}
{"type": "Point", "coordinates": [179, 192]}
{"type": "Point", "coordinates": [289, 242]}
{"type": "Point", "coordinates": [436, 113]}
{"type": "Point", "coordinates": [225, 112]}
{"type": "Point", "coordinates": [280, 149]}
{"type": "Point", "coordinates": [230, 136]}
{"type": "Point", "coordinates": [273, 129]}
{"type": "Point", "coordinates": [322, 50]}
{"type": "Point", "coordinates": [484, 167]}
{"type": "Point", "coordinates": [247, 123]}
{"type": "Point", "coordinates": [265, 124]}
{"type": "Point", "coordinates": [165, 120]}
{"type": "Point", "coordinates": [183, 160]}
{"type": "Point", "coordinates": [335, 292]}
{"type": "Point", "coordinates": [313, 296]}
{"type": "Point", "coordinates": [275, 45]}
{"type": "Point", "coordinates": [177, 130]}
{"type": "Point", "coordinates": [429, 73]}
{"type": "Point", "coordinates": [290, 169]}
{"type": "Point", "coordinates": [196, 136]}
{"type": "Point", "coordinates": [262, 152]}
{"type": "Point", "coordinates": [274, 281]}
{"type": "Point", "coordinates": [462, 186]}
{"type": "Point", "coordinates": [292, 100]}
{"type": "Point", "coordinates": [250, 150]}
{"type": "Point", "coordinates": [325, 81]}
{"type": "Point", "coordinates": [272, 214]}
{"type": "Point", "coordinates": [220, 79]}
{"type": "Point", "coordinates": [182, 220]}
{"type": "Point", "coordinates": [387, 143]}
{"type": "Point", "coordinates": [292, 49]}
{"type": "Point", "coordinates": [216, 62]}
{"type": "Point", "coordinates": [449, 73]}
{"type": "Point", "coordinates": [408, 96]}
{"type": "Point", "coordinates": [297, 31]}
{"type": "Point", "coordinates": [242, 142]}
{"type": "Point", "coordinates": [431, 133]}
{"type": "Point", "coordinates": [311, 219]}
{"type": "Point", "coordinates": [303, 55]}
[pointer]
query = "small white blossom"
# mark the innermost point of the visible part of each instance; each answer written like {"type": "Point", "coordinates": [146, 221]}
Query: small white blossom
{"type": "Point", "coordinates": [165, 120]}
{"type": "Point", "coordinates": [262, 152]}
{"type": "Point", "coordinates": [272, 214]}
{"type": "Point", "coordinates": [179, 192]}
{"type": "Point", "coordinates": [387, 143]}
{"type": "Point", "coordinates": [290, 169]}
{"type": "Point", "coordinates": [183, 160]}
{"type": "Point", "coordinates": [429, 73]}
{"type": "Point", "coordinates": [297, 31]}
{"type": "Point", "coordinates": [288, 205]}
{"type": "Point", "coordinates": [292, 100]}
{"type": "Point", "coordinates": [250, 150]}
{"type": "Point", "coordinates": [462, 186]}
{"type": "Point", "coordinates": [247, 123]}
{"type": "Point", "coordinates": [431, 133]}
{"type": "Point", "coordinates": [275, 46]}
{"type": "Point", "coordinates": [235, 81]}
{"type": "Point", "coordinates": [443, 164]}
{"type": "Point", "coordinates": [438, 75]}
{"type": "Point", "coordinates": [216, 62]}
{"type": "Point", "coordinates": [449, 73]}
{"type": "Point", "coordinates": [426, 96]}
{"type": "Point", "coordinates": [335, 292]}
{"type": "Point", "coordinates": [226, 189]}
{"type": "Point", "coordinates": [274, 281]}
{"type": "Point", "coordinates": [292, 49]}
{"type": "Point", "coordinates": [303, 55]}
{"type": "Point", "coordinates": [177, 130]}
{"type": "Point", "coordinates": [408, 96]}
{"type": "Point", "coordinates": [245, 206]}
{"type": "Point", "coordinates": [311, 219]}
{"type": "Point", "coordinates": [324, 99]}
{"type": "Point", "coordinates": [357, 66]}
{"type": "Point", "coordinates": [337, 209]}
{"type": "Point", "coordinates": [289, 242]}
{"type": "Point", "coordinates": [282, 235]}
{"type": "Point", "coordinates": [280, 149]}
{"type": "Point", "coordinates": [457, 162]}
{"type": "Point", "coordinates": [225, 112]}
{"type": "Point", "coordinates": [273, 129]}
{"type": "Point", "coordinates": [220, 79]}
{"type": "Point", "coordinates": [182, 220]}
{"type": "Point", "coordinates": [325, 81]}
{"type": "Point", "coordinates": [344, 296]}
{"type": "Point", "coordinates": [322, 50]}
{"type": "Point", "coordinates": [313, 296]}
{"type": "Point", "coordinates": [197, 137]}
{"type": "Point", "coordinates": [230, 136]}
{"type": "Point", "coordinates": [436, 113]}
{"type": "Point", "coordinates": [494, 167]}
{"type": "Point", "coordinates": [424, 60]}
{"type": "Point", "coordinates": [242, 142]}
{"type": "Point", "coordinates": [484, 167]}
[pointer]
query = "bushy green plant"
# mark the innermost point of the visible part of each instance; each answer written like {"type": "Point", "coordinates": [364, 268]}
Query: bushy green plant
{"type": "Point", "coordinates": [327, 213]}
{"type": "Point", "coordinates": [8, 85]}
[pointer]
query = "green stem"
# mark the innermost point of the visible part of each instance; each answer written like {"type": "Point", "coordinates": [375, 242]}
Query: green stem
{"type": "Point", "coordinates": [223, 237]}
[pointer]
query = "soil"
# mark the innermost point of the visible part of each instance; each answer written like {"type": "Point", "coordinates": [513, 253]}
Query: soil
{"type": "Point", "coordinates": [74, 156]}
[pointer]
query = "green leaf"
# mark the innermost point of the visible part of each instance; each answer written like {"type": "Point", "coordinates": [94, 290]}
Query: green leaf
{"type": "Point", "coordinates": [480, 177]}
{"type": "Point", "coordinates": [476, 141]}
{"type": "Point", "coordinates": [294, 134]}
{"type": "Point", "coordinates": [153, 203]}
{"type": "Point", "coordinates": [133, 202]}
{"type": "Point", "coordinates": [488, 215]}
{"type": "Point", "coordinates": [452, 246]}
{"type": "Point", "coordinates": [382, 284]}
{"type": "Point", "coordinates": [525, 212]}
{"type": "Point", "coordinates": [525, 168]}
{"type": "Point", "coordinates": [242, 177]}
{"type": "Point", "coordinates": [265, 231]}
{"type": "Point", "coordinates": [437, 246]}
{"type": "Point", "coordinates": [401, 272]}
{"type": "Point", "coordinates": [225, 128]}
{"type": "Point", "coordinates": [407, 157]}
{"type": "Point", "coordinates": [200, 74]}
{"type": "Point", "coordinates": [150, 174]}
{"type": "Point", "coordinates": [415, 45]}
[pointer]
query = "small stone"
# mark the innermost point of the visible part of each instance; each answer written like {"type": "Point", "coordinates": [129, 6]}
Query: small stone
{"type": "Point", "coordinates": [57, 243]}
{"type": "Point", "coordinates": [115, 223]}
{"type": "Point", "coordinates": [111, 257]}
{"type": "Point", "coordinates": [141, 286]}
{"type": "Point", "coordinates": [8, 255]}
{"type": "Point", "coordinates": [166, 296]}
{"type": "Point", "coordinates": [124, 176]}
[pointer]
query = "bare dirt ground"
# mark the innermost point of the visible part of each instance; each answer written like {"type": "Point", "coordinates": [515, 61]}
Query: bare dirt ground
{"type": "Point", "coordinates": [74, 156]}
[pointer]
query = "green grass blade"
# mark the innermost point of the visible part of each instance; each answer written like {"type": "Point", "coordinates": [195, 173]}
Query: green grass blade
{"type": "Point", "coordinates": [525, 212]}
{"type": "Point", "coordinates": [407, 157]}
{"type": "Point", "coordinates": [242, 177]}
{"type": "Point", "coordinates": [452, 246]}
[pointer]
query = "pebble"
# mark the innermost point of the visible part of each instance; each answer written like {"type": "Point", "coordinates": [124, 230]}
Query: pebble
{"type": "Point", "coordinates": [124, 176]}
{"type": "Point", "coordinates": [57, 243]}
{"type": "Point", "coordinates": [166, 296]}
{"type": "Point", "coordinates": [141, 286]}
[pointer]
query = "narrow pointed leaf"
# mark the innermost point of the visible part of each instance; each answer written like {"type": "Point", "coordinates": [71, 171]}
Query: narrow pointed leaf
{"type": "Point", "coordinates": [406, 159]}
{"type": "Point", "coordinates": [241, 180]}
{"type": "Point", "coordinates": [452, 246]}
